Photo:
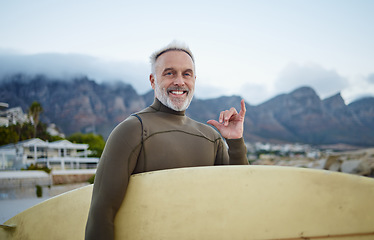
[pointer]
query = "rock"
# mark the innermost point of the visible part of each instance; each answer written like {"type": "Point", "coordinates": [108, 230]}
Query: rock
{"type": "Point", "coordinates": [333, 159]}
{"type": "Point", "coordinates": [319, 164]}
{"type": "Point", "coordinates": [335, 166]}
{"type": "Point", "coordinates": [359, 167]}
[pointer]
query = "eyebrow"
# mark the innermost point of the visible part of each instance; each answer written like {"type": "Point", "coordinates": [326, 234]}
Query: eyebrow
{"type": "Point", "coordinates": [173, 69]}
{"type": "Point", "coordinates": [189, 70]}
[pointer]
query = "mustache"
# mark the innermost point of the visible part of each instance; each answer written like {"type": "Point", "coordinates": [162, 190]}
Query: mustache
{"type": "Point", "coordinates": [174, 88]}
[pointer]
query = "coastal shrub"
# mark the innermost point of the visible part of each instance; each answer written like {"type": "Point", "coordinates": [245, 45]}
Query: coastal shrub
{"type": "Point", "coordinates": [96, 142]}
{"type": "Point", "coordinates": [91, 180]}
{"type": "Point", "coordinates": [39, 191]}
{"type": "Point", "coordinates": [25, 131]}
{"type": "Point", "coordinates": [35, 167]}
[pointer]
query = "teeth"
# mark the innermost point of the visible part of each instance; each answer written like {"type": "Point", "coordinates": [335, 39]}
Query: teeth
{"type": "Point", "coordinates": [177, 92]}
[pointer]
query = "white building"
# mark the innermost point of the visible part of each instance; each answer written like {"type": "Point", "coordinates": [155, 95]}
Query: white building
{"type": "Point", "coordinates": [57, 155]}
{"type": "Point", "coordinates": [11, 116]}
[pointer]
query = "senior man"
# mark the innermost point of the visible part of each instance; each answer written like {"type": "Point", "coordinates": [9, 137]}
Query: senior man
{"type": "Point", "coordinates": [162, 137]}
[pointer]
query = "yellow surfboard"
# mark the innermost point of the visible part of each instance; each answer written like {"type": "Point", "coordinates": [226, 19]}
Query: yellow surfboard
{"type": "Point", "coordinates": [223, 202]}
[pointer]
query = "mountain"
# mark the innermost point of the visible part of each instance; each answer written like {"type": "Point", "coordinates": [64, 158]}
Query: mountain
{"type": "Point", "coordinates": [83, 105]}
{"type": "Point", "coordinates": [75, 105]}
{"type": "Point", "coordinates": [301, 116]}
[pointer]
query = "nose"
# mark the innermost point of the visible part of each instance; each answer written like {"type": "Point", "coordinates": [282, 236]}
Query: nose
{"type": "Point", "coordinates": [179, 81]}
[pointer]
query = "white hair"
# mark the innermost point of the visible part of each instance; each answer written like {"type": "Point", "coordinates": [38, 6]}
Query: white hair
{"type": "Point", "coordinates": [173, 46]}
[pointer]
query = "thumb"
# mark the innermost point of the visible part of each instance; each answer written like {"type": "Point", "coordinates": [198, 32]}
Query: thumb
{"type": "Point", "coordinates": [214, 123]}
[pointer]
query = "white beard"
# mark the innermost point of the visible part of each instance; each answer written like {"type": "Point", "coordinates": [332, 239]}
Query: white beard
{"type": "Point", "coordinates": [162, 95]}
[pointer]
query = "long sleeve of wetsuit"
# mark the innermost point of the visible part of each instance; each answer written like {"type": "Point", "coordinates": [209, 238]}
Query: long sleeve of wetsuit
{"type": "Point", "coordinates": [236, 154]}
{"type": "Point", "coordinates": [115, 167]}
{"type": "Point", "coordinates": [237, 151]}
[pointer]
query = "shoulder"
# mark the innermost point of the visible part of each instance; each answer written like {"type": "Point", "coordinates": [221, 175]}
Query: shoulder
{"type": "Point", "coordinates": [131, 121]}
{"type": "Point", "coordinates": [128, 128]}
{"type": "Point", "coordinates": [134, 120]}
{"type": "Point", "coordinates": [205, 130]}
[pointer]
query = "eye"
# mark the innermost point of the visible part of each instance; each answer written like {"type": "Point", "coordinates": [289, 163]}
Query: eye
{"type": "Point", "coordinates": [168, 73]}
{"type": "Point", "coordinates": [188, 74]}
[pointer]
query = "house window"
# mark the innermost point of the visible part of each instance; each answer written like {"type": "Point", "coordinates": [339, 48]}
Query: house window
{"type": "Point", "coordinates": [40, 149]}
{"type": "Point", "coordinates": [65, 152]}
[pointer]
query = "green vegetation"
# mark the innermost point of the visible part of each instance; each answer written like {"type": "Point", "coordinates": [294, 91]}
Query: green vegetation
{"type": "Point", "coordinates": [34, 111]}
{"type": "Point", "coordinates": [96, 142]}
{"type": "Point", "coordinates": [35, 167]}
{"type": "Point", "coordinates": [39, 191]}
{"type": "Point", "coordinates": [20, 132]}
{"type": "Point", "coordinates": [27, 130]}
{"type": "Point", "coordinates": [91, 180]}
{"type": "Point", "coordinates": [8, 135]}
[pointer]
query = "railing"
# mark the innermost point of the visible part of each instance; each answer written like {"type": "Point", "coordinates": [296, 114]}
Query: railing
{"type": "Point", "coordinates": [73, 162]}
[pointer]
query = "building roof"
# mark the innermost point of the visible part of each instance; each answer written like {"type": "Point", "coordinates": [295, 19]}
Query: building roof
{"type": "Point", "coordinates": [61, 144]}
{"type": "Point", "coordinates": [67, 144]}
{"type": "Point", "coordinates": [26, 143]}
{"type": "Point", "coordinates": [33, 142]}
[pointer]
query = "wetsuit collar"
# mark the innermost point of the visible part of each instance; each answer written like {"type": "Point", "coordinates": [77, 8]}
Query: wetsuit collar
{"type": "Point", "coordinates": [157, 105]}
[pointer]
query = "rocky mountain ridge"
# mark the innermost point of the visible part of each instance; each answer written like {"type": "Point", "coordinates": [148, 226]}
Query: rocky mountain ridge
{"type": "Point", "coordinates": [301, 116]}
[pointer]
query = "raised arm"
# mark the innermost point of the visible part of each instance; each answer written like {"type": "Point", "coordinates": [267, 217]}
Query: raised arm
{"type": "Point", "coordinates": [231, 126]}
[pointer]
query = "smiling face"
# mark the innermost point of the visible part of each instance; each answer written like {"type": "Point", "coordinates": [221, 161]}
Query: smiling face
{"type": "Point", "coordinates": [174, 79]}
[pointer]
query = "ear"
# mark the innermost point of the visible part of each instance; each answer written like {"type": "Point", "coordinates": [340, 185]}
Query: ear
{"type": "Point", "coordinates": [152, 80]}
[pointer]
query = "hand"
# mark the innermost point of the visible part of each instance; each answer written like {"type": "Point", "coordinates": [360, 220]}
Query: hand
{"type": "Point", "coordinates": [231, 122]}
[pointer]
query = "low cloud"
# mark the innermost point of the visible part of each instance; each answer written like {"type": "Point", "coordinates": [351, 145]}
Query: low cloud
{"type": "Point", "coordinates": [255, 93]}
{"type": "Point", "coordinates": [325, 82]}
{"type": "Point", "coordinates": [206, 91]}
{"type": "Point", "coordinates": [361, 87]}
{"type": "Point", "coordinates": [370, 78]}
{"type": "Point", "coordinates": [67, 66]}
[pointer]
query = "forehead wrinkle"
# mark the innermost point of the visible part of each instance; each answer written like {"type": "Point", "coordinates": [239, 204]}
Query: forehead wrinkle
{"type": "Point", "coordinates": [161, 59]}
{"type": "Point", "coordinates": [169, 68]}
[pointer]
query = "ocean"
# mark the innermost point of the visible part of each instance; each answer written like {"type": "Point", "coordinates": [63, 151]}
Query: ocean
{"type": "Point", "coordinates": [11, 204]}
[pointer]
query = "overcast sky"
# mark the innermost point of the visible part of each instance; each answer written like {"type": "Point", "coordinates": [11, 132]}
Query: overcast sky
{"type": "Point", "coordinates": [255, 49]}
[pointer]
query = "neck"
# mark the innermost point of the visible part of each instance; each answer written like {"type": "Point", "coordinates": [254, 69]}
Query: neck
{"type": "Point", "coordinates": [158, 105]}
